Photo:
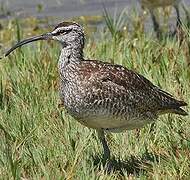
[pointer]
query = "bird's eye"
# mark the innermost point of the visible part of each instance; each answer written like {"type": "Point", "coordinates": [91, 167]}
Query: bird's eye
{"type": "Point", "coordinates": [62, 32]}
{"type": "Point", "coordinates": [67, 31]}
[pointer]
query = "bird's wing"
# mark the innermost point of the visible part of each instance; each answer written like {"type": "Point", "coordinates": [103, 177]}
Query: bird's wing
{"type": "Point", "coordinates": [119, 86]}
{"type": "Point", "coordinates": [137, 90]}
{"type": "Point", "coordinates": [140, 91]}
{"type": "Point", "coordinates": [125, 87]}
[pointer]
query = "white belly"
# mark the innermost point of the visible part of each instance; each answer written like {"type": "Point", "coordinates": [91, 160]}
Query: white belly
{"type": "Point", "coordinates": [116, 124]}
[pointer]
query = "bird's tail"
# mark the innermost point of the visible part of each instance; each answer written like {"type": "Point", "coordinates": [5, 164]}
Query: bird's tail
{"type": "Point", "coordinates": [171, 105]}
{"type": "Point", "coordinates": [174, 108]}
{"type": "Point", "coordinates": [179, 111]}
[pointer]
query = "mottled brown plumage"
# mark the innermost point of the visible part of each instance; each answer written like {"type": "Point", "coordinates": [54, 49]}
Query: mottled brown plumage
{"type": "Point", "coordinates": [101, 95]}
{"type": "Point", "coordinates": [114, 98]}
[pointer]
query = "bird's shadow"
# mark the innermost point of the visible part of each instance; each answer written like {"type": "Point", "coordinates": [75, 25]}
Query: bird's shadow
{"type": "Point", "coordinates": [133, 165]}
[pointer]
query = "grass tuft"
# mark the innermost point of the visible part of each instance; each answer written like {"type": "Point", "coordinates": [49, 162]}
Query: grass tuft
{"type": "Point", "coordinates": [41, 141]}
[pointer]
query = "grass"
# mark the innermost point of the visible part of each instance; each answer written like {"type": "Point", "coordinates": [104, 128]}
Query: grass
{"type": "Point", "coordinates": [40, 141]}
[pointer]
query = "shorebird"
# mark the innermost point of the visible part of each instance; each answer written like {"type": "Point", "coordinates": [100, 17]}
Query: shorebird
{"type": "Point", "coordinates": [101, 95]}
{"type": "Point", "coordinates": [152, 4]}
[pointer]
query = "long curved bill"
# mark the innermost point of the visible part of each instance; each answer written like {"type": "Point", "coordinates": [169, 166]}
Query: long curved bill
{"type": "Point", "coordinates": [29, 40]}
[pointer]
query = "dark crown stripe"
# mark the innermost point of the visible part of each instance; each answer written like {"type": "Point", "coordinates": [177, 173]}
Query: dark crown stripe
{"type": "Point", "coordinates": [65, 24]}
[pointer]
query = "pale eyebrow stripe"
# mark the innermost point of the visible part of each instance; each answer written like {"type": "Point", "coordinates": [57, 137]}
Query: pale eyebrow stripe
{"type": "Point", "coordinates": [60, 31]}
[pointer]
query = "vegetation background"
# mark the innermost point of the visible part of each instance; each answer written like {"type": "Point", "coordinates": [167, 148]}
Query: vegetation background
{"type": "Point", "coordinates": [38, 140]}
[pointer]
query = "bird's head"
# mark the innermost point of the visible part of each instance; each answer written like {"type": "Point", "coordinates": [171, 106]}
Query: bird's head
{"type": "Point", "coordinates": [67, 33]}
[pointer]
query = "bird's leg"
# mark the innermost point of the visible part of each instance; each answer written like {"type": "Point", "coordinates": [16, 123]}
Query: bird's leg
{"type": "Point", "coordinates": [106, 149]}
{"type": "Point", "coordinates": [155, 24]}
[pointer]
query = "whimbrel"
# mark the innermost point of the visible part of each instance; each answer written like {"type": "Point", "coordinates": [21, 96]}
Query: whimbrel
{"type": "Point", "coordinates": [101, 95]}
{"type": "Point", "coordinates": [152, 4]}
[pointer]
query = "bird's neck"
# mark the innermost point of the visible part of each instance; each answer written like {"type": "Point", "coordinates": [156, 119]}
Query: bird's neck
{"type": "Point", "coordinates": [70, 54]}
